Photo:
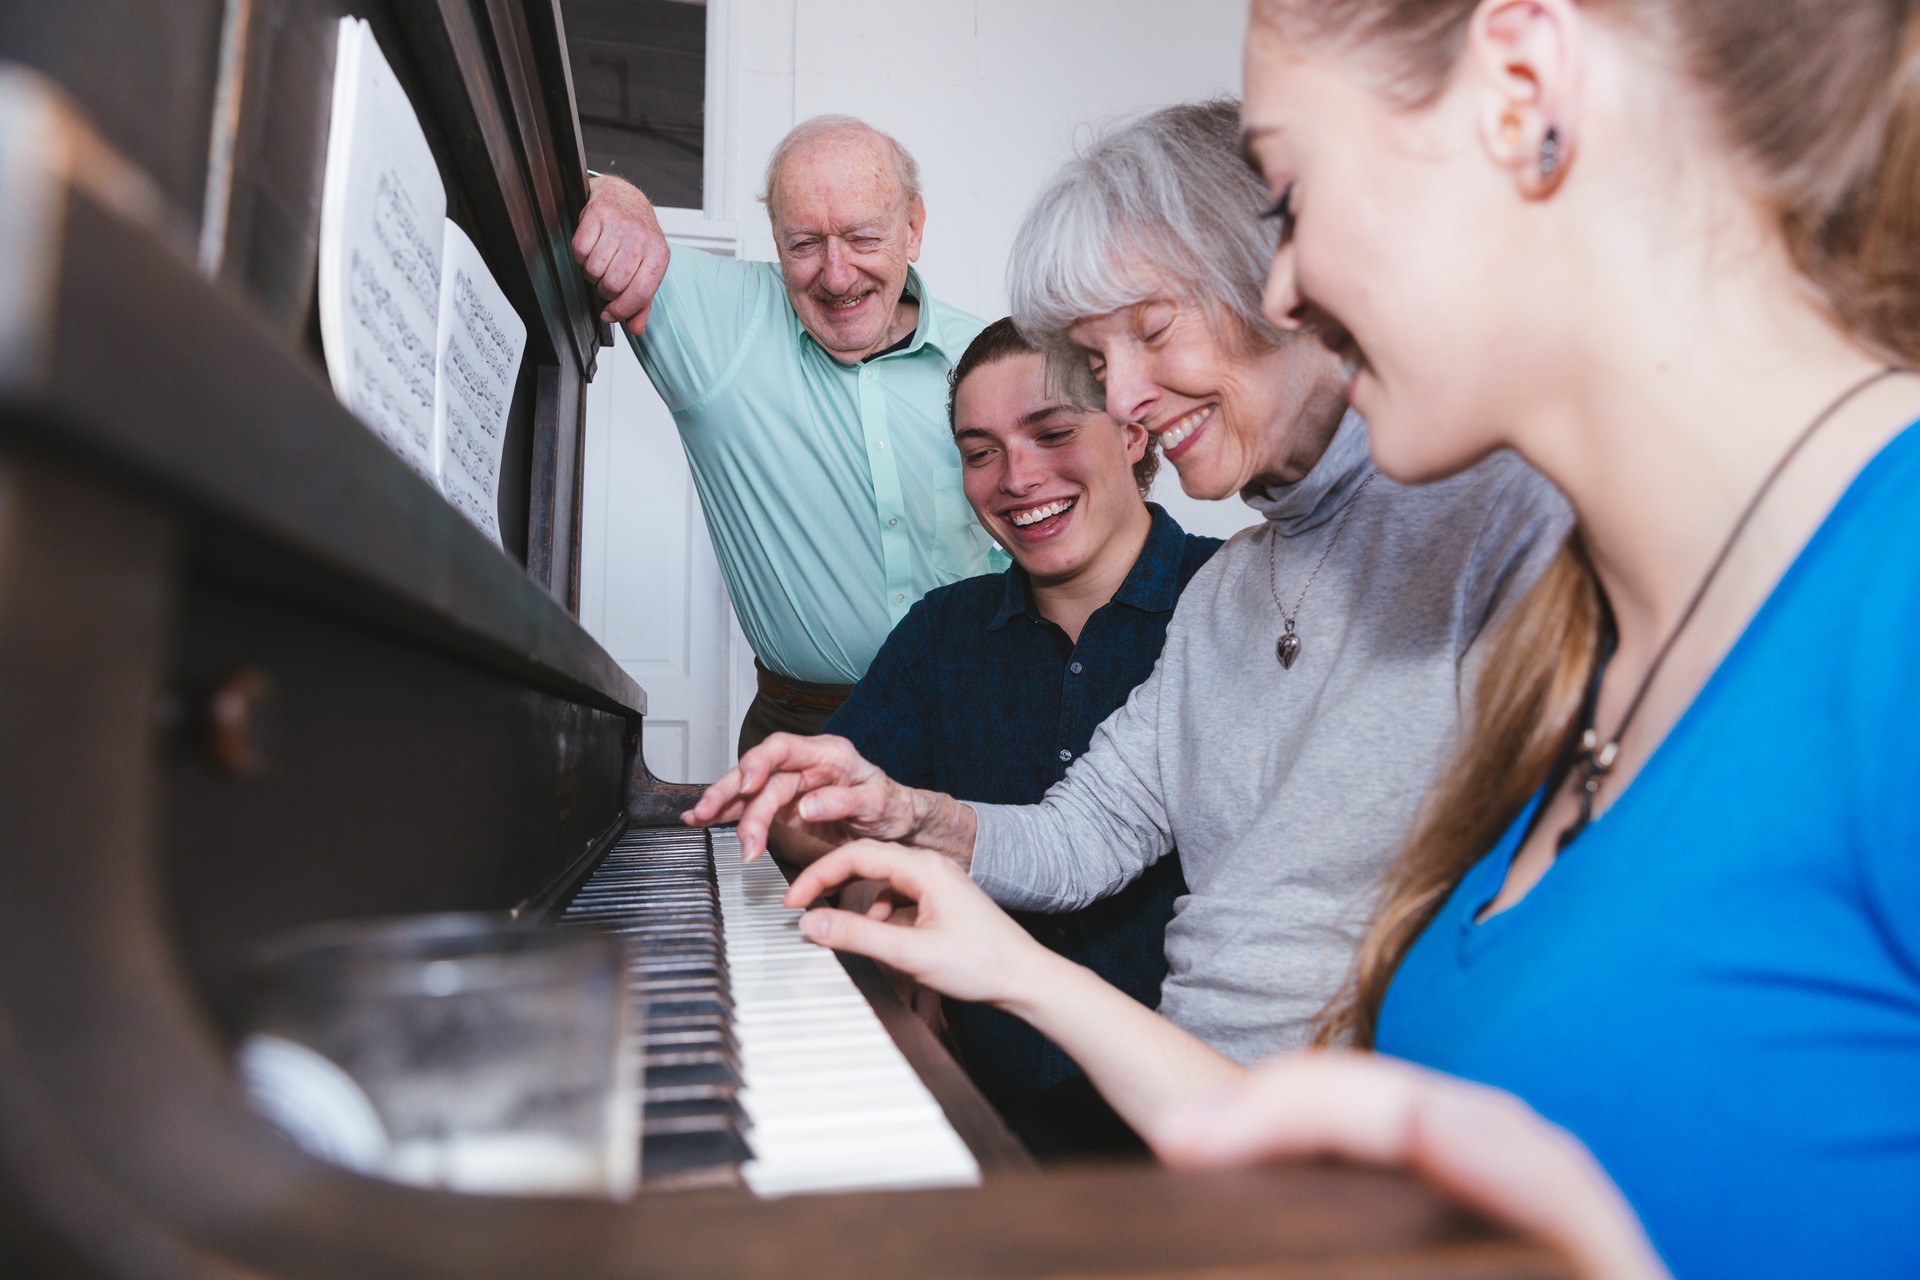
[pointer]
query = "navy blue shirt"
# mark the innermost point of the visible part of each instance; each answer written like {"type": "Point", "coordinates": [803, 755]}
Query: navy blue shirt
{"type": "Point", "coordinates": [977, 695]}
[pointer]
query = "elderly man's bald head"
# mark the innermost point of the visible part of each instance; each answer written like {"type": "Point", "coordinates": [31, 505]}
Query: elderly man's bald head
{"type": "Point", "coordinates": [848, 136]}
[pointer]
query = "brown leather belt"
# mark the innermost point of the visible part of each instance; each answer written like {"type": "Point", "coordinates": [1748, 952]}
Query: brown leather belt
{"type": "Point", "coordinates": [799, 693]}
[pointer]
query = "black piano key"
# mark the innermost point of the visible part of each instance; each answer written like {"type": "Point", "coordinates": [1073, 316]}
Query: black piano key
{"type": "Point", "coordinates": [698, 1071]}
{"type": "Point", "coordinates": [656, 891]}
{"type": "Point", "coordinates": [666, 1112]}
{"type": "Point", "coordinates": [679, 1006]}
{"type": "Point", "coordinates": [665, 1154]}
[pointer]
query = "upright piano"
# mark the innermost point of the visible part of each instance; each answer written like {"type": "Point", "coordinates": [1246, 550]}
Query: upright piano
{"type": "Point", "coordinates": [255, 673]}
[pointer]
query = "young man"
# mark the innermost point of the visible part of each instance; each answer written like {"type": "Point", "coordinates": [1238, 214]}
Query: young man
{"type": "Point", "coordinates": [991, 687]}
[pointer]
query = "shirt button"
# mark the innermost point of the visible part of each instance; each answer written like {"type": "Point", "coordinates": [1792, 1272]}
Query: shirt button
{"type": "Point", "coordinates": [900, 598]}
{"type": "Point", "coordinates": [1075, 668]}
{"type": "Point", "coordinates": [1065, 755]}
{"type": "Point", "coordinates": [893, 522]}
{"type": "Point", "coordinates": [880, 445]}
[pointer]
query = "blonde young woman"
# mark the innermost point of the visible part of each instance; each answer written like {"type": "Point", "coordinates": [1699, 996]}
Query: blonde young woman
{"type": "Point", "coordinates": [1670, 892]}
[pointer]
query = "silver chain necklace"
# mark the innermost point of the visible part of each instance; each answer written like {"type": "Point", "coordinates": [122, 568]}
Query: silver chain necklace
{"type": "Point", "coordinates": [1287, 649]}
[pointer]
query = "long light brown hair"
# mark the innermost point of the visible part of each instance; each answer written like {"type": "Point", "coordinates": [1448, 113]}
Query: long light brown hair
{"type": "Point", "coordinates": [1819, 103]}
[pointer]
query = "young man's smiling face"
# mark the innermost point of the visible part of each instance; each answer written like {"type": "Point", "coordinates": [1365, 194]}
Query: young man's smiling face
{"type": "Point", "coordinates": [1051, 481]}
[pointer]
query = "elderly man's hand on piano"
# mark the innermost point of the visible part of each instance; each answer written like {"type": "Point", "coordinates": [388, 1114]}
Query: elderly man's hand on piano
{"type": "Point", "coordinates": [1483, 1145]}
{"type": "Point", "coordinates": [829, 791]}
{"type": "Point", "coordinates": [621, 250]}
{"type": "Point", "coordinates": [952, 938]}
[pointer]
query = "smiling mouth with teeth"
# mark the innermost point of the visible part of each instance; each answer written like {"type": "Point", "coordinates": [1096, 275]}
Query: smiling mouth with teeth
{"type": "Point", "coordinates": [1176, 435]}
{"type": "Point", "coordinates": [1024, 519]}
{"type": "Point", "coordinates": [847, 304]}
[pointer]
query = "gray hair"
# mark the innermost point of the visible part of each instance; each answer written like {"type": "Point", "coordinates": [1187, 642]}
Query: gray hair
{"type": "Point", "coordinates": [1167, 201]}
{"type": "Point", "coordinates": [820, 128]}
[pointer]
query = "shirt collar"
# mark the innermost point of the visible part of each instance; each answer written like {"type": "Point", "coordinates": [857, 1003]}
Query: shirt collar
{"type": "Point", "coordinates": [1152, 585]}
{"type": "Point", "coordinates": [926, 330]}
{"type": "Point", "coordinates": [1015, 599]}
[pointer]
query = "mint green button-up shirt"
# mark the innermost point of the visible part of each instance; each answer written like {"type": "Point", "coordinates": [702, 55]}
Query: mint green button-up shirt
{"type": "Point", "coordinates": [832, 492]}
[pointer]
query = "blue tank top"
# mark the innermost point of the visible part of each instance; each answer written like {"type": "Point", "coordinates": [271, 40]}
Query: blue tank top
{"type": "Point", "coordinates": [1717, 987]}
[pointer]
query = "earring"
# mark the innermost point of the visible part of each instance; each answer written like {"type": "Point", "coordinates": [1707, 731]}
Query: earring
{"type": "Point", "coordinates": [1550, 154]}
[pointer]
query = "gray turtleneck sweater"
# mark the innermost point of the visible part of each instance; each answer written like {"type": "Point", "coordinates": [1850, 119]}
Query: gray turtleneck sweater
{"type": "Point", "coordinates": [1287, 792]}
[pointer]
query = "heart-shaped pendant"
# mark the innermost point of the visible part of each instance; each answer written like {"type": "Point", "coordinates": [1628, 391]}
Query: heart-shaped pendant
{"type": "Point", "coordinates": [1288, 650]}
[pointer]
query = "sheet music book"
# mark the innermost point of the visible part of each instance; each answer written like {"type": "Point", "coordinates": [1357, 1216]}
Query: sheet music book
{"type": "Point", "coordinates": [420, 341]}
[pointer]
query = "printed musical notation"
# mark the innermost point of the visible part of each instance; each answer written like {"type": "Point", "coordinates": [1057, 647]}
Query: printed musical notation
{"type": "Point", "coordinates": [420, 341]}
{"type": "Point", "coordinates": [481, 341]}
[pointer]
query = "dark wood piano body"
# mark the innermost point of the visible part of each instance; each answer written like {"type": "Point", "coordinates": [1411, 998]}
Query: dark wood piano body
{"type": "Point", "coordinates": [254, 672]}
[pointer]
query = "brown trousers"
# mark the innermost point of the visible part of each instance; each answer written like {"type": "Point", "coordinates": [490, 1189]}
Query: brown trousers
{"type": "Point", "coordinates": [788, 706]}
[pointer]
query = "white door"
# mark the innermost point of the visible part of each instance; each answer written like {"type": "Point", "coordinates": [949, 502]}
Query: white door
{"type": "Point", "coordinates": [650, 589]}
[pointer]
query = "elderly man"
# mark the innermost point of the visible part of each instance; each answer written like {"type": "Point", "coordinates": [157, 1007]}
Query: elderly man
{"type": "Point", "coordinates": [811, 401]}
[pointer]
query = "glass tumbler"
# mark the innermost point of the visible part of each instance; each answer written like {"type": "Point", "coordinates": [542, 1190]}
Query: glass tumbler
{"type": "Point", "coordinates": [463, 1052]}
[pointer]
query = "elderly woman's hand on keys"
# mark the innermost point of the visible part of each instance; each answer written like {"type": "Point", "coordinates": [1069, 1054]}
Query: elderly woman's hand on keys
{"type": "Point", "coordinates": [824, 788]}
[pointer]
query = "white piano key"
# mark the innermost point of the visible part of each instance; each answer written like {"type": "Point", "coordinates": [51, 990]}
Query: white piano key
{"type": "Point", "coordinates": [833, 1104]}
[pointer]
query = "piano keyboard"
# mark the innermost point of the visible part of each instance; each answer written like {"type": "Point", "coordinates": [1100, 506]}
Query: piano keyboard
{"type": "Point", "coordinates": [761, 1055]}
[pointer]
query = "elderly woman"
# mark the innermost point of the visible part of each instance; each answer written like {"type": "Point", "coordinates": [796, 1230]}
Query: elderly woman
{"type": "Point", "coordinates": [1313, 672]}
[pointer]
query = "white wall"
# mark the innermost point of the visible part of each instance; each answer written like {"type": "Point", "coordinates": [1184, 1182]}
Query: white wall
{"type": "Point", "coordinates": [989, 95]}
